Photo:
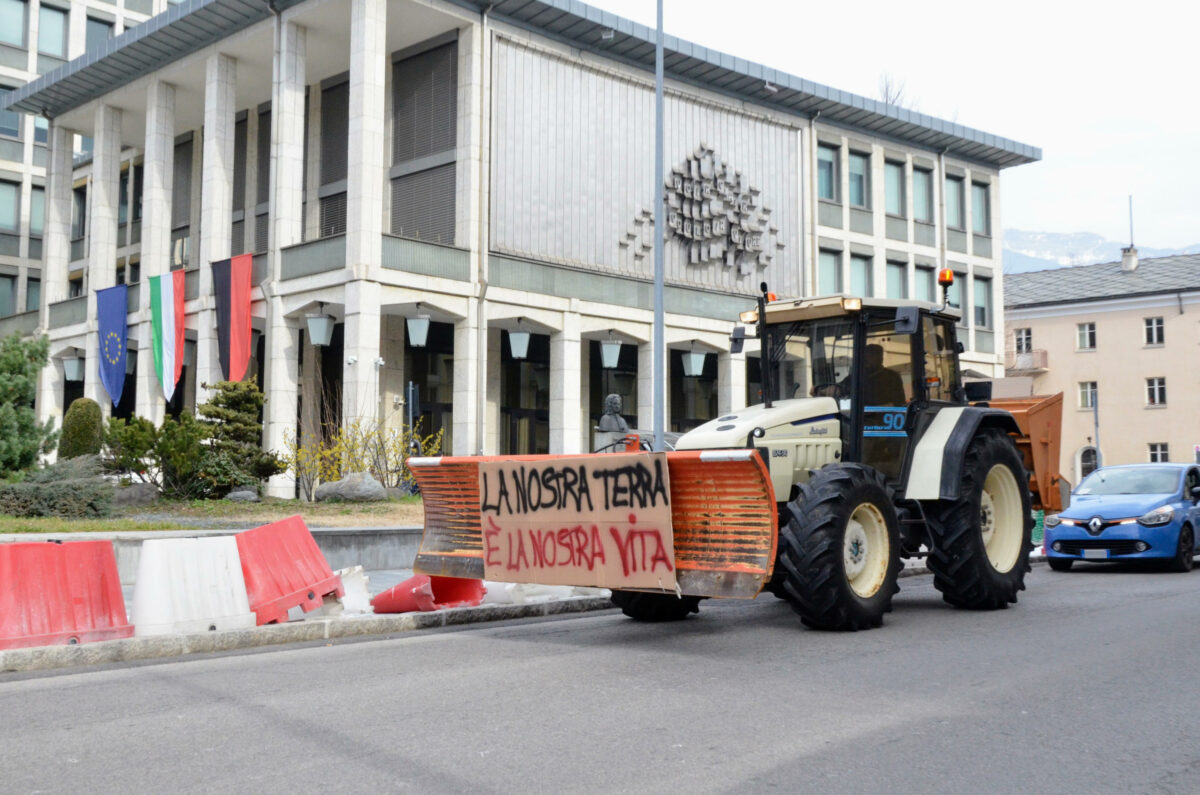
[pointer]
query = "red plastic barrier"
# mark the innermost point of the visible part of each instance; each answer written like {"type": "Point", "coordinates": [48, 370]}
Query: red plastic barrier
{"type": "Point", "coordinates": [424, 593]}
{"type": "Point", "coordinates": [284, 568]}
{"type": "Point", "coordinates": [53, 593]}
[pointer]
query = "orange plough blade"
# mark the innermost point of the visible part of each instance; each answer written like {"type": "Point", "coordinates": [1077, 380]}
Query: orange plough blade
{"type": "Point", "coordinates": [721, 539]}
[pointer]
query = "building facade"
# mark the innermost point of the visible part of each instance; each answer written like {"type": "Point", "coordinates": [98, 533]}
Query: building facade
{"type": "Point", "coordinates": [1119, 341]}
{"type": "Point", "coordinates": [482, 175]}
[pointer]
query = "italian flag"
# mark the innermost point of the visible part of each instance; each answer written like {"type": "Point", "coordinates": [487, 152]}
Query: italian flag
{"type": "Point", "coordinates": [166, 310]}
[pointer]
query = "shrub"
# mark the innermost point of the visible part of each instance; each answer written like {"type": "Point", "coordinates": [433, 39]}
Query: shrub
{"type": "Point", "coordinates": [232, 416]}
{"type": "Point", "coordinates": [179, 453]}
{"type": "Point", "coordinates": [128, 447]}
{"type": "Point", "coordinates": [83, 429]}
{"type": "Point", "coordinates": [89, 498]}
{"type": "Point", "coordinates": [78, 468]}
{"type": "Point", "coordinates": [22, 437]}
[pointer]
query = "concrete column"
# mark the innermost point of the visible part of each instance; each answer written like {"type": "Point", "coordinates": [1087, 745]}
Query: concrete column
{"type": "Point", "coordinates": [731, 382]}
{"type": "Point", "coordinates": [361, 368]}
{"type": "Point", "coordinates": [645, 388]}
{"type": "Point", "coordinates": [216, 207]}
{"type": "Point", "coordinates": [57, 251]}
{"type": "Point", "coordinates": [585, 396]}
{"type": "Point", "coordinates": [158, 177]}
{"type": "Point", "coordinates": [466, 383]}
{"type": "Point", "coordinates": [102, 237]}
{"type": "Point", "coordinates": [287, 227]}
{"type": "Point", "coordinates": [491, 442]}
{"type": "Point", "coordinates": [565, 362]}
{"type": "Point", "coordinates": [364, 158]}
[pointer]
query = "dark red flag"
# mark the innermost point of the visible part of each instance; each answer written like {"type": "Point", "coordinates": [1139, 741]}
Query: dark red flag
{"type": "Point", "coordinates": [231, 287]}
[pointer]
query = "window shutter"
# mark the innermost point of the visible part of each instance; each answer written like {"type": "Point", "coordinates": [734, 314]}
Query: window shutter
{"type": "Point", "coordinates": [181, 189]}
{"type": "Point", "coordinates": [237, 237]}
{"type": "Point", "coordinates": [424, 101]}
{"type": "Point", "coordinates": [333, 215]}
{"type": "Point", "coordinates": [423, 205]}
{"type": "Point", "coordinates": [260, 232]}
{"type": "Point", "coordinates": [239, 165]}
{"type": "Point", "coordinates": [335, 128]}
{"type": "Point", "coordinates": [264, 160]}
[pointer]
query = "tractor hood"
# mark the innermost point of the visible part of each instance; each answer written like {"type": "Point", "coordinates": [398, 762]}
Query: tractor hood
{"type": "Point", "coordinates": [734, 429]}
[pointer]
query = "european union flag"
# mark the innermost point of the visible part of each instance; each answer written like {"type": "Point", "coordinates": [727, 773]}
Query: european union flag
{"type": "Point", "coordinates": [110, 313]}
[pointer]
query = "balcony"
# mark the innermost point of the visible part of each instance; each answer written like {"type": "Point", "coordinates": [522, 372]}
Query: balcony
{"type": "Point", "coordinates": [1033, 362]}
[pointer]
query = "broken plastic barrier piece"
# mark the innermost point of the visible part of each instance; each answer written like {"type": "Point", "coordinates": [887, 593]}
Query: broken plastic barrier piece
{"type": "Point", "coordinates": [284, 568]}
{"type": "Point", "coordinates": [190, 585]}
{"type": "Point", "coordinates": [424, 593]}
{"type": "Point", "coordinates": [60, 594]}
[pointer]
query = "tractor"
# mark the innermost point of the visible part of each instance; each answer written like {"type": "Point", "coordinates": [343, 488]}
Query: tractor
{"type": "Point", "coordinates": [866, 449]}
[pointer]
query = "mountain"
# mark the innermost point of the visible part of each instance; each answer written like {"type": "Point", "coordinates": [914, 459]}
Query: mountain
{"type": "Point", "coordinates": [1037, 251]}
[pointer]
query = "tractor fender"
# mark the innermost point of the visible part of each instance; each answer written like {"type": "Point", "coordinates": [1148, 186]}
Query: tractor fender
{"type": "Point", "coordinates": [938, 458]}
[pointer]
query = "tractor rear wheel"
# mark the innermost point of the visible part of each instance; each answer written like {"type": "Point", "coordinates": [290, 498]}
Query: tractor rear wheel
{"type": "Point", "coordinates": [981, 541]}
{"type": "Point", "coordinates": [654, 607]}
{"type": "Point", "coordinates": [839, 550]}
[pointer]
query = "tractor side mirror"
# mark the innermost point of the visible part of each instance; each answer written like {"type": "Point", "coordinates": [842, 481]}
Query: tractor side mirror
{"type": "Point", "coordinates": [908, 320]}
{"type": "Point", "coordinates": [737, 340]}
{"type": "Point", "coordinates": [1196, 492]}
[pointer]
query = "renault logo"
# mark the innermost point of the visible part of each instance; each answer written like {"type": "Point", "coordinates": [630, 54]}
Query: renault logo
{"type": "Point", "coordinates": [1095, 525]}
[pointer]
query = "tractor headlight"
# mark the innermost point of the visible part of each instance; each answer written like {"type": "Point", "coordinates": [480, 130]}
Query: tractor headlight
{"type": "Point", "coordinates": [1051, 521]}
{"type": "Point", "coordinates": [1158, 516]}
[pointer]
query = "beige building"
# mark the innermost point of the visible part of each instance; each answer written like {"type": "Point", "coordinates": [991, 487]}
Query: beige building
{"type": "Point", "coordinates": [1119, 340]}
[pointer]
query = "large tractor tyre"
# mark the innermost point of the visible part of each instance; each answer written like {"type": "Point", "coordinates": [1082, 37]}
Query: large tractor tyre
{"type": "Point", "coordinates": [839, 550]}
{"type": "Point", "coordinates": [1185, 551]}
{"type": "Point", "coordinates": [981, 541]}
{"type": "Point", "coordinates": [655, 607]}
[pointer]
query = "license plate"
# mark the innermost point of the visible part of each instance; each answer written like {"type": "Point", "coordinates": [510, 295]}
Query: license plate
{"type": "Point", "coordinates": [1096, 553]}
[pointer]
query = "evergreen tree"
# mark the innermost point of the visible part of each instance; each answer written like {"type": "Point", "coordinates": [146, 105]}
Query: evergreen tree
{"type": "Point", "coordinates": [233, 413]}
{"type": "Point", "coordinates": [22, 437]}
{"type": "Point", "coordinates": [82, 430]}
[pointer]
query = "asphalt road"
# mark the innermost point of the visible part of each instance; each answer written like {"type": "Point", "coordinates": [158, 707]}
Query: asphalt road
{"type": "Point", "coordinates": [1088, 685]}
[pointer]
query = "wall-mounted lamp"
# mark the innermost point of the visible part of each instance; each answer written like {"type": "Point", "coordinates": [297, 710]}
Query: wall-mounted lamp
{"type": "Point", "coordinates": [73, 367]}
{"type": "Point", "coordinates": [351, 360]}
{"type": "Point", "coordinates": [610, 352]}
{"type": "Point", "coordinates": [418, 328]}
{"type": "Point", "coordinates": [770, 87]}
{"type": "Point", "coordinates": [379, 361]}
{"type": "Point", "coordinates": [608, 34]}
{"type": "Point", "coordinates": [693, 362]}
{"type": "Point", "coordinates": [518, 342]}
{"type": "Point", "coordinates": [320, 327]}
{"type": "Point", "coordinates": [255, 336]}
{"type": "Point", "coordinates": [130, 362]}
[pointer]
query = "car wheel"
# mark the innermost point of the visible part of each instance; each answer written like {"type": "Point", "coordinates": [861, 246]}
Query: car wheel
{"type": "Point", "coordinates": [1185, 550]}
{"type": "Point", "coordinates": [1060, 564]}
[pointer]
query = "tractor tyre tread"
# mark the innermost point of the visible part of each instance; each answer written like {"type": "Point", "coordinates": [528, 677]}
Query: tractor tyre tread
{"type": "Point", "coordinates": [655, 607]}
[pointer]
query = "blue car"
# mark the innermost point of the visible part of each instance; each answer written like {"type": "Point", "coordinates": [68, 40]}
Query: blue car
{"type": "Point", "coordinates": [1135, 512]}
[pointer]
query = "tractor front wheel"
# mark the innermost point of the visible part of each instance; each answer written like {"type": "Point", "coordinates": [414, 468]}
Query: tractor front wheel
{"type": "Point", "coordinates": [839, 550]}
{"type": "Point", "coordinates": [981, 541]}
{"type": "Point", "coordinates": [655, 607]}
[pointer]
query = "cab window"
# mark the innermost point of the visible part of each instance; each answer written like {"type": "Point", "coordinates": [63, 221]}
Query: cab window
{"type": "Point", "coordinates": [941, 359]}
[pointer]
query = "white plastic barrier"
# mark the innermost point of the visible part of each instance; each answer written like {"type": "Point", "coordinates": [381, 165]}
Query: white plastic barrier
{"type": "Point", "coordinates": [190, 585]}
{"type": "Point", "coordinates": [356, 601]}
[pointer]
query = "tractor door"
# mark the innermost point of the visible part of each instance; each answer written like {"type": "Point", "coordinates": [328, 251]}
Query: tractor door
{"type": "Point", "coordinates": [888, 388]}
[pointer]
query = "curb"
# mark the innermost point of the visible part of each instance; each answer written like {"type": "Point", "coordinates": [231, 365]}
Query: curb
{"type": "Point", "coordinates": [46, 658]}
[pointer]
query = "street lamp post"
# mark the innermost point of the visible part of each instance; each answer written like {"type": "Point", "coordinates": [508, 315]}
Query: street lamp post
{"type": "Point", "coordinates": [660, 397]}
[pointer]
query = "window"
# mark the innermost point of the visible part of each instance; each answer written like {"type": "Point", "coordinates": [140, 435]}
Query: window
{"type": "Point", "coordinates": [41, 130]}
{"type": "Point", "coordinates": [1087, 462]}
{"type": "Point", "coordinates": [1024, 339]}
{"type": "Point", "coordinates": [37, 211]}
{"type": "Point", "coordinates": [12, 22]}
{"type": "Point", "coordinates": [827, 173]}
{"type": "Point", "coordinates": [925, 284]}
{"type": "Point", "coordinates": [923, 195]}
{"type": "Point", "coordinates": [123, 200]}
{"type": "Point", "coordinates": [98, 32]}
{"type": "Point", "coordinates": [897, 280]}
{"type": "Point", "coordinates": [1154, 331]}
{"type": "Point", "coordinates": [10, 207]}
{"type": "Point", "coordinates": [860, 275]}
{"type": "Point", "coordinates": [79, 212]}
{"type": "Point", "coordinates": [1156, 391]}
{"type": "Point", "coordinates": [75, 287]}
{"type": "Point", "coordinates": [954, 202]}
{"type": "Point", "coordinates": [8, 295]}
{"type": "Point", "coordinates": [1087, 394]}
{"type": "Point", "coordinates": [52, 32]}
{"type": "Point", "coordinates": [983, 302]}
{"type": "Point", "coordinates": [10, 120]}
{"type": "Point", "coordinates": [860, 180]}
{"type": "Point", "coordinates": [829, 273]}
{"type": "Point", "coordinates": [33, 294]}
{"type": "Point", "coordinates": [181, 186]}
{"type": "Point", "coordinates": [335, 115]}
{"type": "Point", "coordinates": [893, 184]}
{"type": "Point", "coordinates": [980, 209]}
{"type": "Point", "coordinates": [1160, 453]}
{"type": "Point", "coordinates": [1085, 336]}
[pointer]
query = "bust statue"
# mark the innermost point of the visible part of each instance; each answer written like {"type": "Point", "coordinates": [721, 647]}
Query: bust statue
{"type": "Point", "coordinates": [612, 421]}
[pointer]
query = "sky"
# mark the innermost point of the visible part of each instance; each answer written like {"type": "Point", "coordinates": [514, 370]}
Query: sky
{"type": "Point", "coordinates": [1107, 91]}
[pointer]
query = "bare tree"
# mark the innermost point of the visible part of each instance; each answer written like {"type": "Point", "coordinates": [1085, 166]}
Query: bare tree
{"type": "Point", "coordinates": [891, 90]}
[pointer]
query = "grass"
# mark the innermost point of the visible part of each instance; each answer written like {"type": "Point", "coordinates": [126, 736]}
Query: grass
{"type": "Point", "coordinates": [47, 524]}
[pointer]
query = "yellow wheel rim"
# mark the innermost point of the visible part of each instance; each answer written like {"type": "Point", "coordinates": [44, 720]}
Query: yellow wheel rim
{"type": "Point", "coordinates": [1000, 518]}
{"type": "Point", "coordinates": [865, 551]}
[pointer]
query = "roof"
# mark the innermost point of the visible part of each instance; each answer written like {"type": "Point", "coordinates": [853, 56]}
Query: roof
{"type": "Point", "coordinates": [186, 28]}
{"type": "Point", "coordinates": [1083, 283]}
{"type": "Point", "coordinates": [840, 304]}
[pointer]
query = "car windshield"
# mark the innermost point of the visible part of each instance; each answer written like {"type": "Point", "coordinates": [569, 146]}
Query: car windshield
{"type": "Point", "coordinates": [1130, 480]}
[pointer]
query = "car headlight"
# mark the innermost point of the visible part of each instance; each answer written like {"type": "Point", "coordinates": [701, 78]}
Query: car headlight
{"type": "Point", "coordinates": [1051, 521]}
{"type": "Point", "coordinates": [1158, 516]}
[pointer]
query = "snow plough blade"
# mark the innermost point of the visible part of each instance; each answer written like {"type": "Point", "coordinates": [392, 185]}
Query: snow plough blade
{"type": "Point", "coordinates": [702, 524]}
